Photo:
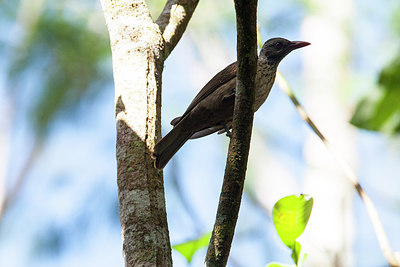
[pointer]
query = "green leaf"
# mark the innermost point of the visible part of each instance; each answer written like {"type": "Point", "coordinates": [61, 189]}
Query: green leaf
{"type": "Point", "coordinates": [380, 110]}
{"type": "Point", "coordinates": [290, 215]}
{"type": "Point", "coordinates": [275, 264]}
{"type": "Point", "coordinates": [303, 259]}
{"type": "Point", "coordinates": [187, 249]}
{"type": "Point", "coordinates": [296, 252]}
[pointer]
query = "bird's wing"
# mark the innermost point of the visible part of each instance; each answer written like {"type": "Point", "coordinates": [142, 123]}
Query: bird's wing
{"type": "Point", "coordinates": [207, 131]}
{"type": "Point", "coordinates": [220, 78]}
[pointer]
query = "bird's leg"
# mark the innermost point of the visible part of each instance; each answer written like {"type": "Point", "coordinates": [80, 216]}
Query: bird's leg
{"type": "Point", "coordinates": [228, 131]}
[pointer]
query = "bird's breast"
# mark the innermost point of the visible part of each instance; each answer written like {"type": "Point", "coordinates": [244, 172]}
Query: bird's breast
{"type": "Point", "coordinates": [264, 80]}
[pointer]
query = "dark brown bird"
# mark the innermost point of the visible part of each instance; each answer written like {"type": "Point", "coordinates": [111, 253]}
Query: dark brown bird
{"type": "Point", "coordinates": [212, 109]}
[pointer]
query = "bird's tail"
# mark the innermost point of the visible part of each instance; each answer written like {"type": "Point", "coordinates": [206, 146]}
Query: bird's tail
{"type": "Point", "coordinates": [166, 148]}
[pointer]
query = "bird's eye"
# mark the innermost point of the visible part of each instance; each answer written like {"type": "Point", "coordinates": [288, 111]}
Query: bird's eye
{"type": "Point", "coordinates": [278, 45]}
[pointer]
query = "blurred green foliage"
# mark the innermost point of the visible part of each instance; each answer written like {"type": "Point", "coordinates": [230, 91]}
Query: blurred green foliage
{"type": "Point", "coordinates": [62, 57]}
{"type": "Point", "coordinates": [381, 111]}
{"type": "Point", "coordinates": [50, 242]}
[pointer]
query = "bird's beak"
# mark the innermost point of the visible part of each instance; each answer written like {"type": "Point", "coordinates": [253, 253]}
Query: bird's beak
{"type": "Point", "coordinates": [298, 44]}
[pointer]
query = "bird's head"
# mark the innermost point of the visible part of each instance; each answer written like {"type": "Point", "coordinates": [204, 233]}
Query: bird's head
{"type": "Point", "coordinates": [275, 49]}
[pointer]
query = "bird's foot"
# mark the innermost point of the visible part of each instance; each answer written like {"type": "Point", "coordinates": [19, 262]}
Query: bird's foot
{"type": "Point", "coordinates": [228, 131]}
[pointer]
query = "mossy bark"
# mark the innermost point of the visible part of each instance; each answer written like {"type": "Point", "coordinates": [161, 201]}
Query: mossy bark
{"type": "Point", "coordinates": [232, 188]}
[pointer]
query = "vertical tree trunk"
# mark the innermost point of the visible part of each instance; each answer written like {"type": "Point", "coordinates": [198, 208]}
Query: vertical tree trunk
{"type": "Point", "coordinates": [136, 44]}
{"type": "Point", "coordinates": [139, 48]}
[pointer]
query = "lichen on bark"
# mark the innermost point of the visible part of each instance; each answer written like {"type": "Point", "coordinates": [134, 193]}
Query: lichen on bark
{"type": "Point", "coordinates": [139, 49]}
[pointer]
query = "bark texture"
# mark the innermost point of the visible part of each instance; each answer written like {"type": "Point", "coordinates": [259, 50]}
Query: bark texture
{"type": "Point", "coordinates": [139, 47]}
{"type": "Point", "coordinates": [173, 21]}
{"type": "Point", "coordinates": [232, 188]}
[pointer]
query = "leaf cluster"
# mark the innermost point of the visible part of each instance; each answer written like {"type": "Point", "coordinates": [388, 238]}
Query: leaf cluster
{"type": "Point", "coordinates": [61, 59]}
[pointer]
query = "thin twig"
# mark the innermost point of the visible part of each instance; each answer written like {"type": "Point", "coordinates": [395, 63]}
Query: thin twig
{"type": "Point", "coordinates": [22, 176]}
{"type": "Point", "coordinates": [372, 212]}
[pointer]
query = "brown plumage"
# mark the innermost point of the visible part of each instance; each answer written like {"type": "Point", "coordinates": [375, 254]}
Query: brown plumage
{"type": "Point", "coordinates": [212, 109]}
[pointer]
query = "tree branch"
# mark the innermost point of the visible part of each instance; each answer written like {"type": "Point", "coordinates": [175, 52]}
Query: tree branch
{"type": "Point", "coordinates": [139, 47]}
{"type": "Point", "coordinates": [10, 197]}
{"type": "Point", "coordinates": [351, 176]}
{"type": "Point", "coordinates": [136, 45]}
{"type": "Point", "coordinates": [173, 21]}
{"type": "Point", "coordinates": [232, 188]}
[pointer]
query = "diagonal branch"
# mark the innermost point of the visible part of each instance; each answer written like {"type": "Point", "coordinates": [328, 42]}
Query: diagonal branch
{"type": "Point", "coordinates": [232, 188]}
{"type": "Point", "coordinates": [173, 22]}
{"type": "Point", "coordinates": [372, 212]}
{"type": "Point", "coordinates": [22, 177]}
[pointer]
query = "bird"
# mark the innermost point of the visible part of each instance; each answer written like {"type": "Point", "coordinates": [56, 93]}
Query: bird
{"type": "Point", "coordinates": [212, 109]}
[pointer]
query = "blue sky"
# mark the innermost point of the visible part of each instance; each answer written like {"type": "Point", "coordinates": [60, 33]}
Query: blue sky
{"type": "Point", "coordinates": [67, 215]}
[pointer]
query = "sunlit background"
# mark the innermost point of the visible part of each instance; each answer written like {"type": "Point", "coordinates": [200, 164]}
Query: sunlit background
{"type": "Point", "coordinates": [58, 188]}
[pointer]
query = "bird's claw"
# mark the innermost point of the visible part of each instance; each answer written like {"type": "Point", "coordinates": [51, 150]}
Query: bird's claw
{"type": "Point", "coordinates": [228, 131]}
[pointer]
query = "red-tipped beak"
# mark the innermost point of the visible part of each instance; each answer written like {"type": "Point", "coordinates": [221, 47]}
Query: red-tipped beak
{"type": "Point", "coordinates": [298, 44]}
